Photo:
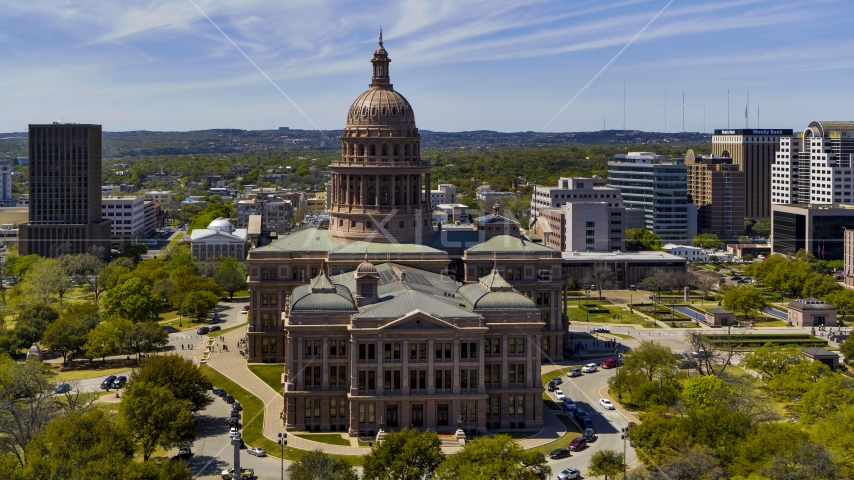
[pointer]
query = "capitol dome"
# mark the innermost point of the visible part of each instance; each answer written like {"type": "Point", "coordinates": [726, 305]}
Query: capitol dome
{"type": "Point", "coordinates": [222, 225]}
{"type": "Point", "coordinates": [381, 107]}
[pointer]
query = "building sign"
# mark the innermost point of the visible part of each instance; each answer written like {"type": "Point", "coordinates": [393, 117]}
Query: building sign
{"type": "Point", "coordinates": [772, 132]}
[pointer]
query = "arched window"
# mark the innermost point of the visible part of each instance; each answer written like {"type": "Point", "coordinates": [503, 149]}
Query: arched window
{"type": "Point", "coordinates": [384, 195]}
{"type": "Point", "coordinates": [385, 150]}
{"type": "Point", "coordinates": [373, 111]}
{"type": "Point", "coordinates": [362, 150]}
{"type": "Point", "coordinates": [373, 150]}
{"type": "Point", "coordinates": [394, 110]}
{"type": "Point", "coordinates": [385, 111]}
{"type": "Point", "coordinates": [395, 149]}
{"type": "Point", "coordinates": [364, 111]}
{"type": "Point", "coordinates": [406, 150]}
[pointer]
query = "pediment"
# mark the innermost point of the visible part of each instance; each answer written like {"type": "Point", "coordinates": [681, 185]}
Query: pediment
{"type": "Point", "coordinates": [418, 320]}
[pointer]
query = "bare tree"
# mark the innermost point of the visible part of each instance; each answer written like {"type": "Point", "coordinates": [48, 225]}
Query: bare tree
{"type": "Point", "coordinates": [706, 282]}
{"type": "Point", "coordinates": [810, 460]}
{"type": "Point", "coordinates": [602, 277]}
{"type": "Point", "coordinates": [709, 358]}
{"type": "Point", "coordinates": [85, 269]}
{"type": "Point", "coordinates": [27, 404]}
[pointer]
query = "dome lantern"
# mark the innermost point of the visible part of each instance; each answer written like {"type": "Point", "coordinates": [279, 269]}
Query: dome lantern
{"type": "Point", "coordinates": [381, 61]}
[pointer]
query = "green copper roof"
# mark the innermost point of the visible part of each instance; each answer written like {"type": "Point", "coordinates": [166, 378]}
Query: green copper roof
{"type": "Point", "coordinates": [411, 300]}
{"type": "Point", "coordinates": [508, 243]}
{"type": "Point", "coordinates": [494, 282]}
{"type": "Point", "coordinates": [307, 240]}
{"type": "Point", "coordinates": [480, 298]}
{"type": "Point", "coordinates": [322, 284]}
{"type": "Point", "coordinates": [304, 300]}
{"type": "Point", "coordinates": [371, 247]}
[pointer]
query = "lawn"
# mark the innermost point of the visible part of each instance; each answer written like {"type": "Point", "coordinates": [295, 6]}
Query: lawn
{"type": "Point", "coordinates": [270, 373]}
{"type": "Point", "coordinates": [578, 315]}
{"type": "Point", "coordinates": [253, 428]}
{"type": "Point", "coordinates": [221, 332]}
{"type": "Point", "coordinates": [328, 438]}
{"type": "Point", "coordinates": [571, 429]}
{"type": "Point", "coordinates": [81, 374]}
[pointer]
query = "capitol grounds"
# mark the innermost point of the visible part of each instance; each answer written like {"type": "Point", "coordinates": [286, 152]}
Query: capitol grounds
{"type": "Point", "coordinates": [255, 386]}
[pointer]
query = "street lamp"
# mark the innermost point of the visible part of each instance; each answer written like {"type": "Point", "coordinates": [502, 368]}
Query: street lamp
{"type": "Point", "coordinates": [180, 311]}
{"type": "Point", "coordinates": [283, 440]}
{"type": "Point", "coordinates": [587, 310]}
{"type": "Point", "coordinates": [624, 436]}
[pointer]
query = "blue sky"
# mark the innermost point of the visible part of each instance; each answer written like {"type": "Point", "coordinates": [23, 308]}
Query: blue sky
{"type": "Point", "coordinates": [507, 65]}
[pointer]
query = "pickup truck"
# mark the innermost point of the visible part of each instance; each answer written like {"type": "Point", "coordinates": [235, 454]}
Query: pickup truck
{"type": "Point", "coordinates": [245, 473]}
{"type": "Point", "coordinates": [609, 363]}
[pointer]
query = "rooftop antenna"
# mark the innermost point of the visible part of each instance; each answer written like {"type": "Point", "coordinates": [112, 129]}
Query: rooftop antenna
{"type": "Point", "coordinates": [381, 34]}
{"type": "Point", "coordinates": [727, 108]}
{"type": "Point", "coordinates": [665, 111]}
{"type": "Point", "coordinates": [757, 114]}
{"type": "Point", "coordinates": [746, 116]}
{"type": "Point", "coordinates": [683, 112]}
{"type": "Point", "coordinates": [704, 117]}
{"type": "Point", "coordinates": [624, 104]}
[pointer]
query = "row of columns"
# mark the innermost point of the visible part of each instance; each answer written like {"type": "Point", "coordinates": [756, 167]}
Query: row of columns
{"type": "Point", "coordinates": [343, 194]}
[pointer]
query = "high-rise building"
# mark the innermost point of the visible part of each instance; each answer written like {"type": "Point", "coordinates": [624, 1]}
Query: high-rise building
{"type": "Point", "coordinates": [6, 199]}
{"type": "Point", "coordinates": [651, 184]}
{"type": "Point", "coordinates": [716, 187]}
{"type": "Point", "coordinates": [65, 192]}
{"type": "Point", "coordinates": [815, 167]}
{"type": "Point", "coordinates": [377, 182]}
{"type": "Point", "coordinates": [753, 150]}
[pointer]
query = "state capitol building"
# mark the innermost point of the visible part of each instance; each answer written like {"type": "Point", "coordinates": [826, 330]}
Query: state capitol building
{"type": "Point", "coordinates": [382, 320]}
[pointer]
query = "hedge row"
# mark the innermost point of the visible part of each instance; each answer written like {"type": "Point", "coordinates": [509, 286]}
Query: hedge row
{"type": "Point", "coordinates": [762, 336]}
{"type": "Point", "coordinates": [787, 343]}
{"type": "Point", "coordinates": [593, 309]}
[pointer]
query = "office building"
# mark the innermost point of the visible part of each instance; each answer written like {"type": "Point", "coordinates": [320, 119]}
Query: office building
{"type": "Point", "coordinates": [818, 229]}
{"type": "Point", "coordinates": [444, 193]}
{"type": "Point", "coordinates": [573, 190]}
{"type": "Point", "coordinates": [453, 212]}
{"type": "Point", "coordinates": [65, 192]}
{"type": "Point", "coordinates": [163, 197]}
{"type": "Point", "coordinates": [754, 151]}
{"type": "Point", "coordinates": [276, 214]}
{"type": "Point", "coordinates": [488, 196]}
{"type": "Point", "coordinates": [716, 187]}
{"type": "Point", "coordinates": [128, 218]}
{"type": "Point", "coordinates": [629, 267]}
{"type": "Point", "coordinates": [815, 167]}
{"type": "Point", "coordinates": [649, 183]}
{"type": "Point", "coordinates": [6, 199]}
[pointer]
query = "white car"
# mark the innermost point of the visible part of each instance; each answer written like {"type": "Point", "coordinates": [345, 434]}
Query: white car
{"type": "Point", "coordinates": [589, 368]}
{"type": "Point", "coordinates": [559, 394]}
{"type": "Point", "coordinates": [233, 433]}
{"type": "Point", "coordinates": [569, 474]}
{"type": "Point", "coordinates": [606, 403]}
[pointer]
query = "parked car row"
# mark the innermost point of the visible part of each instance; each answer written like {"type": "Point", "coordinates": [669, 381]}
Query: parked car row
{"type": "Point", "coordinates": [114, 382]}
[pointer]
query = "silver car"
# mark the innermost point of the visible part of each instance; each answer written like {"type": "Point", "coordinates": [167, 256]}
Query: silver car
{"type": "Point", "coordinates": [257, 451]}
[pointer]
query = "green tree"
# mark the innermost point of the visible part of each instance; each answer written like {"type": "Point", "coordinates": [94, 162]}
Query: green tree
{"type": "Point", "coordinates": [133, 251]}
{"type": "Point", "coordinates": [142, 337]}
{"type": "Point", "coordinates": [231, 276]}
{"type": "Point", "coordinates": [831, 394]}
{"type": "Point", "coordinates": [606, 462]}
{"type": "Point", "coordinates": [404, 455]}
{"type": "Point", "coordinates": [818, 285]}
{"type": "Point", "coordinates": [109, 276]}
{"type": "Point", "coordinates": [85, 269]}
{"type": "Point", "coordinates": [156, 418]}
{"type": "Point", "coordinates": [797, 380]}
{"type": "Point", "coordinates": [499, 457]}
{"type": "Point", "coordinates": [652, 360]}
{"type": "Point", "coordinates": [65, 335]}
{"type": "Point", "coordinates": [705, 391]}
{"type": "Point", "coordinates": [842, 299]}
{"type": "Point", "coordinates": [132, 300]}
{"type": "Point", "coordinates": [707, 240]}
{"type": "Point", "coordinates": [317, 465]}
{"type": "Point", "coordinates": [847, 349]}
{"type": "Point", "coordinates": [642, 239]}
{"type": "Point", "coordinates": [17, 266]}
{"type": "Point", "coordinates": [655, 393]}
{"type": "Point", "coordinates": [86, 312]}
{"type": "Point", "coordinates": [199, 303]}
{"type": "Point", "coordinates": [772, 360]}
{"type": "Point", "coordinates": [45, 279]}
{"type": "Point", "coordinates": [626, 380]}
{"type": "Point", "coordinates": [178, 374]}
{"type": "Point", "coordinates": [810, 460]}
{"type": "Point", "coordinates": [744, 300]}
{"type": "Point", "coordinates": [32, 321]}
{"type": "Point", "coordinates": [104, 340]}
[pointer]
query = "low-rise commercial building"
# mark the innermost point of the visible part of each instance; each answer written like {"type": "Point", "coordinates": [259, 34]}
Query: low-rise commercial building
{"type": "Point", "coordinates": [811, 312]}
{"type": "Point", "coordinates": [629, 267]}
{"type": "Point", "coordinates": [163, 197]}
{"type": "Point", "coordinates": [444, 193]}
{"type": "Point", "coordinates": [454, 212]}
{"type": "Point", "coordinates": [688, 252]}
{"type": "Point", "coordinates": [818, 229]}
{"type": "Point", "coordinates": [276, 214]}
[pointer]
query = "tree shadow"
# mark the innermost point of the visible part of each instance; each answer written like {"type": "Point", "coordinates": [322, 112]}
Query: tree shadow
{"type": "Point", "coordinates": [211, 426]}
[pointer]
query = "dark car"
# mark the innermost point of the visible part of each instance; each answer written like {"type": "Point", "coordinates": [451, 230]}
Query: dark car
{"type": "Point", "coordinates": [228, 398]}
{"type": "Point", "coordinates": [579, 413]}
{"type": "Point", "coordinates": [184, 453]}
{"type": "Point", "coordinates": [551, 387]}
{"type": "Point", "coordinates": [235, 414]}
{"type": "Point", "coordinates": [108, 382]}
{"type": "Point", "coordinates": [203, 331]}
{"type": "Point", "coordinates": [215, 328]}
{"type": "Point", "coordinates": [587, 423]}
{"type": "Point", "coordinates": [237, 406]}
{"type": "Point", "coordinates": [218, 392]}
{"type": "Point", "coordinates": [578, 444]}
{"type": "Point", "coordinates": [559, 453]}
{"type": "Point", "coordinates": [120, 381]}
{"type": "Point", "coordinates": [234, 422]}
{"type": "Point", "coordinates": [557, 380]}
{"type": "Point", "coordinates": [63, 387]}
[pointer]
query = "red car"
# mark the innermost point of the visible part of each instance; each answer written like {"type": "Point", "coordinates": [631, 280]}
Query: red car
{"type": "Point", "coordinates": [609, 363]}
{"type": "Point", "coordinates": [246, 307]}
{"type": "Point", "coordinates": [578, 444]}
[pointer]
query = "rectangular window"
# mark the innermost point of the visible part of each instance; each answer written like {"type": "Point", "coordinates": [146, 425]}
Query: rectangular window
{"type": "Point", "coordinates": [307, 408]}
{"type": "Point", "coordinates": [367, 351]}
{"type": "Point", "coordinates": [361, 413]}
{"type": "Point", "coordinates": [363, 380]}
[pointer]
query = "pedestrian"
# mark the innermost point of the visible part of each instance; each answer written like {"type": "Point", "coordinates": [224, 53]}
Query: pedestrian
{"type": "Point", "coordinates": [182, 346]}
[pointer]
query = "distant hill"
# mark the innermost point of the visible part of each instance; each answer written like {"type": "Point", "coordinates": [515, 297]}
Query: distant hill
{"type": "Point", "coordinates": [147, 143]}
